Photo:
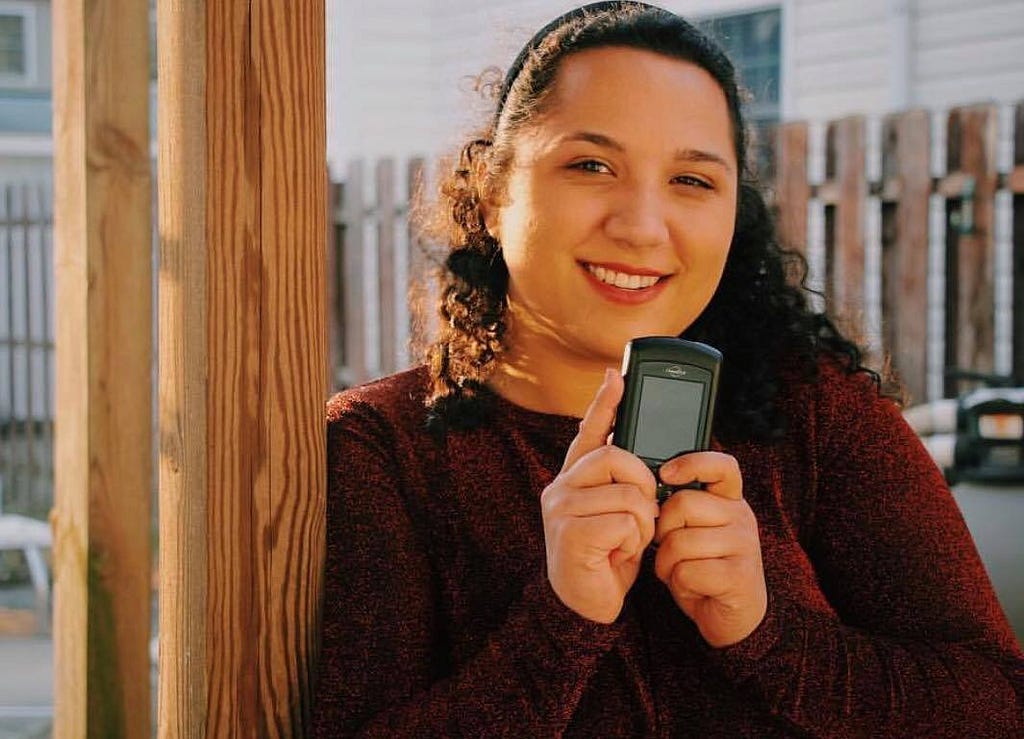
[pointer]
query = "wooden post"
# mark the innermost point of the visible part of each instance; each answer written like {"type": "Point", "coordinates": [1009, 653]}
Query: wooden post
{"type": "Point", "coordinates": [386, 273]}
{"type": "Point", "coordinates": [969, 189]}
{"type": "Point", "coordinates": [103, 270]}
{"type": "Point", "coordinates": [792, 189]}
{"type": "Point", "coordinates": [1016, 182]}
{"type": "Point", "coordinates": [243, 365]}
{"type": "Point", "coordinates": [906, 188]}
{"type": "Point", "coordinates": [844, 193]}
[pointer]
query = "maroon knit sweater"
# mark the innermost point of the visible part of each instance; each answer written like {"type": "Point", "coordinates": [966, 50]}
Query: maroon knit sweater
{"type": "Point", "coordinates": [439, 620]}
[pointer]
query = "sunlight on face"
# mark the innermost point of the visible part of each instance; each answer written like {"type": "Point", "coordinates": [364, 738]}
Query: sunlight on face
{"type": "Point", "coordinates": [620, 206]}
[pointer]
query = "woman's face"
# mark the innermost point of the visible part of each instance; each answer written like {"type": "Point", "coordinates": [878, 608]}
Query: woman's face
{"type": "Point", "coordinates": [620, 204]}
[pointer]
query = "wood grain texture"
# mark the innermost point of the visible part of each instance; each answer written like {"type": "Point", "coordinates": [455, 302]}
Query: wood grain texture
{"type": "Point", "coordinates": [183, 356]}
{"type": "Point", "coordinates": [844, 222]}
{"type": "Point", "coordinates": [906, 159]}
{"type": "Point", "coordinates": [970, 289]}
{"type": "Point", "coordinates": [103, 368]}
{"type": "Point", "coordinates": [291, 481]}
{"type": "Point", "coordinates": [243, 298]}
{"type": "Point", "coordinates": [793, 190]}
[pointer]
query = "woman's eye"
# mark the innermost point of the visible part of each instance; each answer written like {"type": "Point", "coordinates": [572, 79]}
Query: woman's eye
{"type": "Point", "coordinates": [693, 181]}
{"type": "Point", "coordinates": [590, 165]}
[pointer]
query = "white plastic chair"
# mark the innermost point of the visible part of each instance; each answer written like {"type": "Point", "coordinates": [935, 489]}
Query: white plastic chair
{"type": "Point", "coordinates": [31, 537]}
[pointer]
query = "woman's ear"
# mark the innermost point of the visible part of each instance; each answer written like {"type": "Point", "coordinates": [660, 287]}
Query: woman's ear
{"type": "Point", "coordinates": [491, 213]}
{"type": "Point", "coordinates": [490, 208]}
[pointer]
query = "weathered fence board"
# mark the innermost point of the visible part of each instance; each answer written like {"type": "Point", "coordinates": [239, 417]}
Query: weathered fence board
{"type": "Point", "coordinates": [386, 267]}
{"type": "Point", "coordinates": [353, 295]}
{"type": "Point", "coordinates": [906, 189]}
{"type": "Point", "coordinates": [843, 194]}
{"type": "Point", "coordinates": [792, 186]}
{"type": "Point", "coordinates": [969, 189]}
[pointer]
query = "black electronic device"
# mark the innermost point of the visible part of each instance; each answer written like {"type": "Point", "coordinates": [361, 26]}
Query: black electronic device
{"type": "Point", "coordinates": [669, 401]}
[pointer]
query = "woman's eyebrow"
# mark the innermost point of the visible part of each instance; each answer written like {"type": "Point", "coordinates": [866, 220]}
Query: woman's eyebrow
{"type": "Point", "coordinates": [685, 155]}
{"type": "Point", "coordinates": [599, 139]}
{"type": "Point", "coordinates": [698, 155]}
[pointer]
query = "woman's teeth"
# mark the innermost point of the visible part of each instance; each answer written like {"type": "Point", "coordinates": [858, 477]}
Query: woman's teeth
{"type": "Point", "coordinates": [621, 279]}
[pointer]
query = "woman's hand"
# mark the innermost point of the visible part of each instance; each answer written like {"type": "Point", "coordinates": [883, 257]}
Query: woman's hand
{"type": "Point", "coordinates": [599, 515]}
{"type": "Point", "coordinates": [709, 552]}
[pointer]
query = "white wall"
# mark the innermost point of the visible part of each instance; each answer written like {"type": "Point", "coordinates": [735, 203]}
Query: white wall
{"type": "Point", "coordinates": [398, 70]}
{"type": "Point", "coordinates": [974, 47]}
{"type": "Point", "coordinates": [379, 78]}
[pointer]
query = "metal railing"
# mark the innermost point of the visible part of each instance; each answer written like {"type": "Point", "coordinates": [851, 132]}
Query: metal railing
{"type": "Point", "coordinates": [26, 349]}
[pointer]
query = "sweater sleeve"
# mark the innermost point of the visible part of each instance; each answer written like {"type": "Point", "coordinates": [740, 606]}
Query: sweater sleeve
{"type": "Point", "coordinates": [384, 670]}
{"type": "Point", "coordinates": [916, 643]}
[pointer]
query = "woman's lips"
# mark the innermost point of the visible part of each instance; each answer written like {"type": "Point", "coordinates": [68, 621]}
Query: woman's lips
{"type": "Point", "coordinates": [623, 284]}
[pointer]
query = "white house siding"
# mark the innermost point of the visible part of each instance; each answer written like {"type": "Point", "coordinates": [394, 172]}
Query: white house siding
{"type": "Point", "coordinates": [840, 57]}
{"type": "Point", "coordinates": [976, 46]}
{"type": "Point", "coordinates": [380, 82]}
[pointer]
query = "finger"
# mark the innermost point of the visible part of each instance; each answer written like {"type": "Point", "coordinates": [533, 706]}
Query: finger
{"type": "Point", "coordinates": [695, 509]}
{"type": "Point", "coordinates": [709, 578]}
{"type": "Point", "coordinates": [615, 498]}
{"type": "Point", "coordinates": [719, 472]}
{"type": "Point", "coordinates": [609, 464]}
{"type": "Point", "coordinates": [598, 420]}
{"type": "Point", "coordinates": [632, 548]}
{"type": "Point", "coordinates": [695, 544]}
{"type": "Point", "coordinates": [603, 534]}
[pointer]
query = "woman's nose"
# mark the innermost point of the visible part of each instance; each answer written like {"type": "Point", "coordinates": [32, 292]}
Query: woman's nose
{"type": "Point", "coordinates": [638, 219]}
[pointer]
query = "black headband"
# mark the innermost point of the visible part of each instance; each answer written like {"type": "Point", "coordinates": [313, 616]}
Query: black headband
{"type": "Point", "coordinates": [538, 39]}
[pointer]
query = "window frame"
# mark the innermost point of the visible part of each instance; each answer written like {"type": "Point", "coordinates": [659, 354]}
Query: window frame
{"type": "Point", "coordinates": [755, 9]}
{"type": "Point", "coordinates": [29, 12]}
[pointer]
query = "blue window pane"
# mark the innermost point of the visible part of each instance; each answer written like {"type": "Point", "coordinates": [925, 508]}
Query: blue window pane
{"type": "Point", "coordinates": [12, 44]}
{"type": "Point", "coordinates": [753, 43]}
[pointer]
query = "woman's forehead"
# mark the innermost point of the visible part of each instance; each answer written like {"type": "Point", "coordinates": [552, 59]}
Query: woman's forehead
{"type": "Point", "coordinates": [630, 93]}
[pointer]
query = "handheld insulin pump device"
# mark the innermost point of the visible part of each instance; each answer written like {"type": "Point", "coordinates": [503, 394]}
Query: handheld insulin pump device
{"type": "Point", "coordinates": [669, 400]}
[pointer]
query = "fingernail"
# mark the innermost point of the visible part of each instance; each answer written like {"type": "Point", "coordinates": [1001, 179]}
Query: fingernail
{"type": "Point", "coordinates": [608, 371]}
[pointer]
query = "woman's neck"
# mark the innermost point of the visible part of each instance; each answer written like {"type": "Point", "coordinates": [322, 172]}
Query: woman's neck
{"type": "Point", "coordinates": [547, 380]}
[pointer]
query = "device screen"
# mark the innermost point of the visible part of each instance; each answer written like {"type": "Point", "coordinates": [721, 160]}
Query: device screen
{"type": "Point", "coordinates": [669, 417]}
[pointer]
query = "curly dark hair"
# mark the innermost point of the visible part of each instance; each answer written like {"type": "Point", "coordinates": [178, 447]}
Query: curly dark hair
{"type": "Point", "coordinates": [760, 315]}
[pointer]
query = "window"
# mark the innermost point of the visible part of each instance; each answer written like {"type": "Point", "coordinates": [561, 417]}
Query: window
{"type": "Point", "coordinates": [12, 45]}
{"type": "Point", "coordinates": [754, 43]}
{"type": "Point", "coordinates": [17, 43]}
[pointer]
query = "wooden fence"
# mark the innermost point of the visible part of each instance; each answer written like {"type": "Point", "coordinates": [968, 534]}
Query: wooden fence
{"type": "Point", "coordinates": [926, 294]}
{"type": "Point", "coordinates": [378, 273]}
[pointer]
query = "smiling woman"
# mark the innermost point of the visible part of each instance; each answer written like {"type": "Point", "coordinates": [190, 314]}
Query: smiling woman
{"type": "Point", "coordinates": [614, 221]}
{"type": "Point", "coordinates": [496, 567]}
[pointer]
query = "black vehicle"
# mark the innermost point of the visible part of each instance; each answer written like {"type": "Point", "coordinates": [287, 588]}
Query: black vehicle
{"type": "Point", "coordinates": [989, 430]}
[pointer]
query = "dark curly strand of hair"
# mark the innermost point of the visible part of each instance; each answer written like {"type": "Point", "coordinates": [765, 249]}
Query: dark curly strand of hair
{"type": "Point", "coordinates": [760, 319]}
{"type": "Point", "coordinates": [760, 314]}
{"type": "Point", "coordinates": [472, 301]}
